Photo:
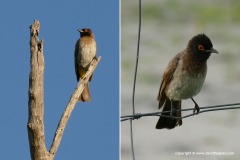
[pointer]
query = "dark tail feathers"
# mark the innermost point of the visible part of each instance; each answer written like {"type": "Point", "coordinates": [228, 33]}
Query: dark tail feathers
{"type": "Point", "coordinates": [170, 123]}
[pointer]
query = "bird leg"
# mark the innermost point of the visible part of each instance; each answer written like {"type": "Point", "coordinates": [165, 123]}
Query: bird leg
{"type": "Point", "coordinates": [172, 109]}
{"type": "Point", "coordinates": [196, 107]}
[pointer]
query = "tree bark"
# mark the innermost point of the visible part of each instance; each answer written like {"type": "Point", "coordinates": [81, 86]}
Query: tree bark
{"type": "Point", "coordinates": [35, 125]}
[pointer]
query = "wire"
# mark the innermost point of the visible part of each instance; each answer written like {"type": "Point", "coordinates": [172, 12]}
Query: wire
{"type": "Point", "coordinates": [202, 110]}
{"type": "Point", "coordinates": [135, 76]}
{"type": "Point", "coordinates": [132, 147]}
{"type": "Point", "coordinates": [137, 57]}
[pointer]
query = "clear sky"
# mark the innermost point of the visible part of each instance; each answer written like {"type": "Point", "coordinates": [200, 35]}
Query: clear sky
{"type": "Point", "coordinates": [92, 132]}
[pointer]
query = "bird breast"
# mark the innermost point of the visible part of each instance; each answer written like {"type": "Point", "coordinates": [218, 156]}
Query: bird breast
{"type": "Point", "coordinates": [87, 51]}
{"type": "Point", "coordinates": [185, 83]}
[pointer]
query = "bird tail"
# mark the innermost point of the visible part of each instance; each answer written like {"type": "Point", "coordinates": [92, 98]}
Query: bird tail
{"type": "Point", "coordinates": [168, 122]}
{"type": "Point", "coordinates": [85, 96]}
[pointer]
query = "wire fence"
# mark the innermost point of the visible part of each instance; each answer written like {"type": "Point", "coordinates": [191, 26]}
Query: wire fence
{"type": "Point", "coordinates": [202, 110]}
{"type": "Point", "coordinates": [135, 116]}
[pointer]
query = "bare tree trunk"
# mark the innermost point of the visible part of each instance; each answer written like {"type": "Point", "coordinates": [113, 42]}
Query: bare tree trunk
{"type": "Point", "coordinates": [35, 126]}
{"type": "Point", "coordinates": [36, 102]}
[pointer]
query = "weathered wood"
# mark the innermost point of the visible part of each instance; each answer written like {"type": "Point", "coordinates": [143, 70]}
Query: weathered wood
{"type": "Point", "coordinates": [35, 124]}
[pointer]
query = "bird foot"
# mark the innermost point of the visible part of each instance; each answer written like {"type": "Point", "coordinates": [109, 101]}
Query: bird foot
{"type": "Point", "coordinates": [96, 58]}
{"type": "Point", "coordinates": [196, 109]}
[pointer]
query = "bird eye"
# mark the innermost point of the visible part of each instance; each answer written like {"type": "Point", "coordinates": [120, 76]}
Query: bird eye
{"type": "Point", "coordinates": [200, 48]}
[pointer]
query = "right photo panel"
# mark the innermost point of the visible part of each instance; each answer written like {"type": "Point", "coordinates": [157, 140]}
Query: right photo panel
{"type": "Point", "coordinates": [180, 80]}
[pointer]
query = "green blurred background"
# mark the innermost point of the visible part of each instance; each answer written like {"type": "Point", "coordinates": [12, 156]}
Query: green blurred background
{"type": "Point", "coordinates": [167, 26]}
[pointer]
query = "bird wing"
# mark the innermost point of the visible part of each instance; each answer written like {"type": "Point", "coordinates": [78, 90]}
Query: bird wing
{"type": "Point", "coordinates": [167, 77]}
{"type": "Point", "coordinates": [75, 59]}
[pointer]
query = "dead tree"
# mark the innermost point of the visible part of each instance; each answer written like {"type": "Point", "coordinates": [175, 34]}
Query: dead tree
{"type": "Point", "coordinates": [35, 124]}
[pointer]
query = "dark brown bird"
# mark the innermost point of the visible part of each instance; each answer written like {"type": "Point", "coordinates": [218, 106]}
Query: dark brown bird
{"type": "Point", "coordinates": [85, 52]}
{"type": "Point", "coordinates": [183, 79]}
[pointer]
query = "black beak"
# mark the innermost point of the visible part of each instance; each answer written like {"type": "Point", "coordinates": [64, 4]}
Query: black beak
{"type": "Point", "coordinates": [213, 51]}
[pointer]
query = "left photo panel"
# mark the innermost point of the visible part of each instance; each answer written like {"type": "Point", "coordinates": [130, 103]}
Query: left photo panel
{"type": "Point", "coordinates": [60, 80]}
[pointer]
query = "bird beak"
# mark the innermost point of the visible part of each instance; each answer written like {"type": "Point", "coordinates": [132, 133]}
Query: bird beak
{"type": "Point", "coordinates": [213, 51]}
{"type": "Point", "coordinates": [79, 30]}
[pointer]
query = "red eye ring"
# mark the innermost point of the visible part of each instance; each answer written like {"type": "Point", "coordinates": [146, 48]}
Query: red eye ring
{"type": "Point", "coordinates": [201, 48]}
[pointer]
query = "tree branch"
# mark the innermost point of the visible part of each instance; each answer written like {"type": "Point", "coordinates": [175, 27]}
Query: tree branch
{"type": "Point", "coordinates": [35, 124]}
{"type": "Point", "coordinates": [71, 104]}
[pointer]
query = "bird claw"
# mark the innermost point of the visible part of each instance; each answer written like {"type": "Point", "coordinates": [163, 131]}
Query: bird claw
{"type": "Point", "coordinates": [96, 58]}
{"type": "Point", "coordinates": [196, 109]}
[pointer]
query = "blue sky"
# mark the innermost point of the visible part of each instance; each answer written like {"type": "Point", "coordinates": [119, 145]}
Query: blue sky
{"type": "Point", "coordinates": [93, 129]}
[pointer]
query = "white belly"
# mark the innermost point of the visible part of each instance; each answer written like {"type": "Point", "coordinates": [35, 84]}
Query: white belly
{"type": "Point", "coordinates": [87, 53]}
{"type": "Point", "coordinates": [184, 86]}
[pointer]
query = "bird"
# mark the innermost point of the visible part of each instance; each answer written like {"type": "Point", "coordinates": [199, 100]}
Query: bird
{"type": "Point", "coordinates": [85, 52]}
{"type": "Point", "coordinates": [183, 79]}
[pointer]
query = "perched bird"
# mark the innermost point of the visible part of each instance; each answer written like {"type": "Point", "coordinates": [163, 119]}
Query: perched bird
{"type": "Point", "coordinates": [85, 52]}
{"type": "Point", "coordinates": [183, 79]}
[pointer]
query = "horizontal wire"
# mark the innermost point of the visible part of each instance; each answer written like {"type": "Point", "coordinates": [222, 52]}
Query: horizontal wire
{"type": "Point", "coordinates": [202, 110]}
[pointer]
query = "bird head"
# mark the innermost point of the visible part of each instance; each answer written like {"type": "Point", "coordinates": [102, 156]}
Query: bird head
{"type": "Point", "coordinates": [201, 46]}
{"type": "Point", "coordinates": [86, 32]}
